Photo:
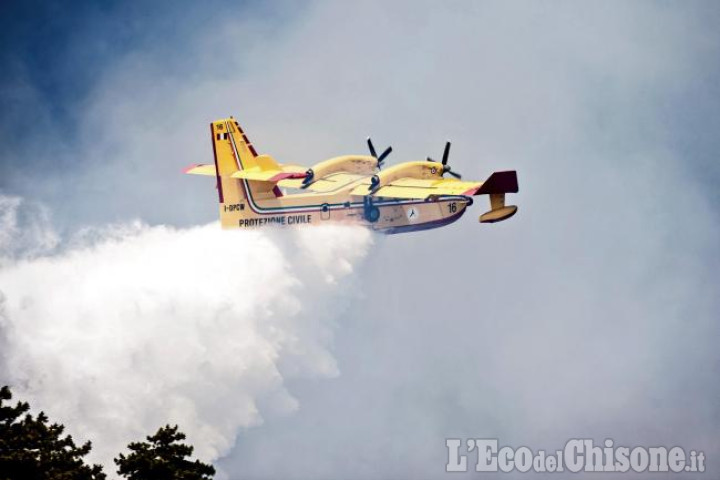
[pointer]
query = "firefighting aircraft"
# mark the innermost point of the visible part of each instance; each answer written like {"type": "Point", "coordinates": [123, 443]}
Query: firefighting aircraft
{"type": "Point", "coordinates": [255, 190]}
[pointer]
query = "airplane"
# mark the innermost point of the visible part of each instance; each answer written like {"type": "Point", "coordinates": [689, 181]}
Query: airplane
{"type": "Point", "coordinates": [256, 191]}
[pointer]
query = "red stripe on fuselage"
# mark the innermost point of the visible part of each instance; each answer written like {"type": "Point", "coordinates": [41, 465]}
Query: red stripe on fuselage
{"type": "Point", "coordinates": [221, 197]}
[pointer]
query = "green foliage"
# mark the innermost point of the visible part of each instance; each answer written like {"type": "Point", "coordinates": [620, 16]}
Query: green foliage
{"type": "Point", "coordinates": [31, 449]}
{"type": "Point", "coordinates": [162, 457]}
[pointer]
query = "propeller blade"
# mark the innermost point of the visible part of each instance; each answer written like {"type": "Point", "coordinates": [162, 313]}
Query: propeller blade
{"type": "Point", "coordinates": [446, 153]}
{"type": "Point", "coordinates": [371, 147]}
{"type": "Point", "coordinates": [456, 175]}
{"type": "Point", "coordinates": [384, 154]}
{"type": "Point", "coordinates": [430, 159]}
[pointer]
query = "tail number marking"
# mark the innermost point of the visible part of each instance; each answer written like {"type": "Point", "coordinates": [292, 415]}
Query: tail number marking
{"type": "Point", "coordinates": [235, 207]}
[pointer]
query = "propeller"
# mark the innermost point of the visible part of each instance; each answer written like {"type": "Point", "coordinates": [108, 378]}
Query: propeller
{"type": "Point", "coordinates": [309, 175]}
{"type": "Point", "coordinates": [374, 184]}
{"type": "Point", "coordinates": [382, 156]}
{"type": "Point", "coordinates": [446, 167]}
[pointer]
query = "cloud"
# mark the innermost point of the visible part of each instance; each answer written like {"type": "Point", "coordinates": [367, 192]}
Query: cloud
{"type": "Point", "coordinates": [131, 327]}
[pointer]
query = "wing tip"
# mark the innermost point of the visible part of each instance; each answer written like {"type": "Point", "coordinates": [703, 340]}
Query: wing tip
{"type": "Point", "coordinates": [500, 182]}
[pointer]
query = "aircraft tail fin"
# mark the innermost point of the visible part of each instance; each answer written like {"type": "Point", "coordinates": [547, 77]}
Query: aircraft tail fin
{"type": "Point", "coordinates": [233, 150]}
{"type": "Point", "coordinates": [242, 176]}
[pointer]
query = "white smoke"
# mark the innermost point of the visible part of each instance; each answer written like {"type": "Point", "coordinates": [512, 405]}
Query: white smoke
{"type": "Point", "coordinates": [131, 327]}
{"type": "Point", "coordinates": [25, 229]}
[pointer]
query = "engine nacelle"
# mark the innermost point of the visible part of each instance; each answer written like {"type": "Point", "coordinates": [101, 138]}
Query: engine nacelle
{"type": "Point", "coordinates": [355, 164]}
{"type": "Point", "coordinates": [419, 170]}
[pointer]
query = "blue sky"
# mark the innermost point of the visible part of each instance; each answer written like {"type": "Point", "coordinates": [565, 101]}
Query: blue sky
{"type": "Point", "coordinates": [61, 48]}
{"type": "Point", "coordinates": [54, 54]}
{"type": "Point", "coordinates": [606, 280]}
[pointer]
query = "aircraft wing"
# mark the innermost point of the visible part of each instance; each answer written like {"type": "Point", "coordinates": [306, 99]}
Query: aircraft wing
{"type": "Point", "coordinates": [416, 188]}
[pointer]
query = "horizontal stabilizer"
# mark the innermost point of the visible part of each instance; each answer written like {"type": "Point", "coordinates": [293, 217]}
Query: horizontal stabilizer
{"type": "Point", "coordinates": [268, 175]}
{"type": "Point", "coordinates": [200, 169]}
{"type": "Point", "coordinates": [274, 174]}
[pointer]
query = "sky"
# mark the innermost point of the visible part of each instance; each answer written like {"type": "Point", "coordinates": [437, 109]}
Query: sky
{"type": "Point", "coordinates": [591, 313]}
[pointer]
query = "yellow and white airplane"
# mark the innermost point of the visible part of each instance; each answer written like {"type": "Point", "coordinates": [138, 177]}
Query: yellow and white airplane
{"type": "Point", "coordinates": [255, 190]}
